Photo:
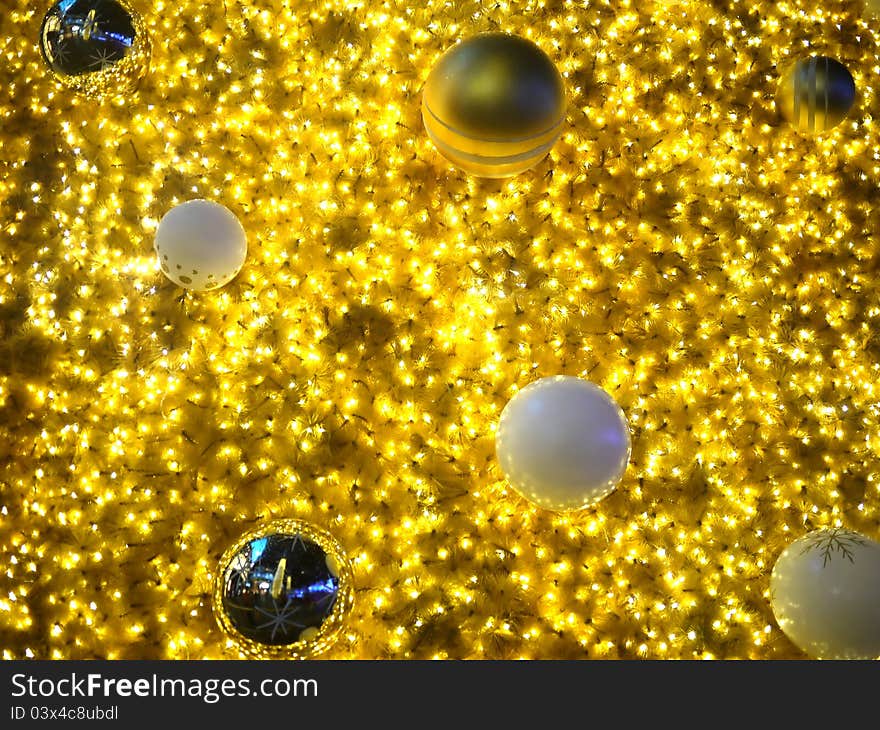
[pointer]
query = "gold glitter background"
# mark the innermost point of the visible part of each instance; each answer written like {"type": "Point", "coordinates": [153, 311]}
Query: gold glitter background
{"type": "Point", "coordinates": [682, 246]}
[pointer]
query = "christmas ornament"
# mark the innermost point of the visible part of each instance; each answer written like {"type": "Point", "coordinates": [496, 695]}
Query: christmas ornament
{"type": "Point", "coordinates": [200, 245]}
{"type": "Point", "coordinates": [283, 591]}
{"type": "Point", "coordinates": [816, 93]}
{"type": "Point", "coordinates": [494, 105]}
{"type": "Point", "coordinates": [95, 47]}
{"type": "Point", "coordinates": [825, 594]}
{"type": "Point", "coordinates": [563, 443]}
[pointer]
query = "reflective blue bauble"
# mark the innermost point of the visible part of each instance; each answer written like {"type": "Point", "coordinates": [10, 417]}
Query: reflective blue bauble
{"type": "Point", "coordinates": [95, 47]}
{"type": "Point", "coordinates": [283, 591]}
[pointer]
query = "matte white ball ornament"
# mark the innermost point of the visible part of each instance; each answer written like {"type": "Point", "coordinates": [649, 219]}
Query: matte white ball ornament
{"type": "Point", "coordinates": [825, 594]}
{"type": "Point", "coordinates": [563, 443]}
{"type": "Point", "coordinates": [201, 245]}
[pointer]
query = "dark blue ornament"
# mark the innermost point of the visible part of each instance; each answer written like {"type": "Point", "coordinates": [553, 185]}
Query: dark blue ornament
{"type": "Point", "coordinates": [277, 587]}
{"type": "Point", "coordinates": [284, 588]}
{"type": "Point", "coordinates": [97, 47]}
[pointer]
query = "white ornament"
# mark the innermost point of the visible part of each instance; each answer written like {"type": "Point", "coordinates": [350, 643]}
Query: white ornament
{"type": "Point", "coordinates": [200, 244]}
{"type": "Point", "coordinates": [563, 443]}
{"type": "Point", "coordinates": [825, 594]}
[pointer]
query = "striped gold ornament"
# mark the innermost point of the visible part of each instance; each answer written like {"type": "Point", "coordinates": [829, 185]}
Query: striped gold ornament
{"type": "Point", "coordinates": [494, 105]}
{"type": "Point", "coordinates": [816, 93]}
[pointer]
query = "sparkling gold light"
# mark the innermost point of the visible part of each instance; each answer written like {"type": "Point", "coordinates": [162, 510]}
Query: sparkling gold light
{"type": "Point", "coordinates": [681, 246]}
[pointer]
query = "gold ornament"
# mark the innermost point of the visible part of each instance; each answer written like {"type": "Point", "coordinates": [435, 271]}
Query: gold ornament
{"type": "Point", "coordinates": [494, 105]}
{"type": "Point", "coordinates": [283, 591]}
{"type": "Point", "coordinates": [816, 93]}
{"type": "Point", "coordinates": [99, 48]}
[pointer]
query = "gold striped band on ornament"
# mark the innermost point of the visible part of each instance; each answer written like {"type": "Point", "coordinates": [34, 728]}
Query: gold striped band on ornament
{"type": "Point", "coordinates": [486, 156]}
{"type": "Point", "coordinates": [806, 94]}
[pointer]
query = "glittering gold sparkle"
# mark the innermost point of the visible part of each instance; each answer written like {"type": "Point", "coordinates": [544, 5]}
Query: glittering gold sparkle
{"type": "Point", "coordinates": [681, 246]}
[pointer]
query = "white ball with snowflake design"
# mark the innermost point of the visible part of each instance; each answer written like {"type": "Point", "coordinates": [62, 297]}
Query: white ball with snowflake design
{"type": "Point", "coordinates": [201, 245]}
{"type": "Point", "coordinates": [825, 594]}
